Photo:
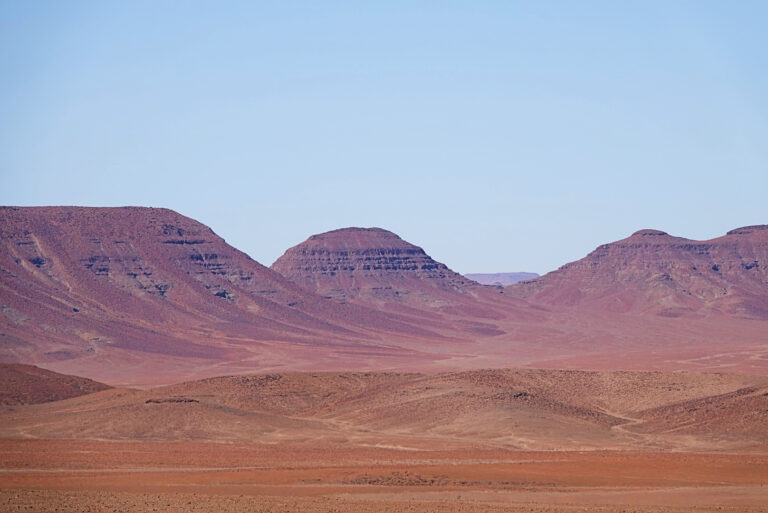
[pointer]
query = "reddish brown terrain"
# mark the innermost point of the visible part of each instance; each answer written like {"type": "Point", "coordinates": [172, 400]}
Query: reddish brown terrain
{"type": "Point", "coordinates": [141, 295]}
{"type": "Point", "coordinates": [27, 384]}
{"type": "Point", "coordinates": [614, 309]}
{"type": "Point", "coordinates": [182, 477]}
{"type": "Point", "coordinates": [136, 296]}
{"type": "Point", "coordinates": [374, 266]}
{"type": "Point", "coordinates": [147, 296]}
{"type": "Point", "coordinates": [654, 272]}
{"type": "Point", "coordinates": [493, 440]}
{"type": "Point", "coordinates": [515, 409]}
{"type": "Point", "coordinates": [377, 269]}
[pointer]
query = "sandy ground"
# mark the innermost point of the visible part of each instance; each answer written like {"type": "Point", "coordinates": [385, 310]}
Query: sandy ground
{"type": "Point", "coordinates": [481, 441]}
{"type": "Point", "coordinates": [97, 476]}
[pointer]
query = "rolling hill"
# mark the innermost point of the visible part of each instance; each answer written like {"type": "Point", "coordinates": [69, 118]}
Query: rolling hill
{"type": "Point", "coordinates": [514, 409]}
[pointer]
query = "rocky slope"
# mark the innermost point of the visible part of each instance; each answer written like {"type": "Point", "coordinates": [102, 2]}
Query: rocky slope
{"type": "Point", "coordinates": [654, 272]}
{"type": "Point", "coordinates": [378, 269]}
{"type": "Point", "coordinates": [144, 296]}
{"type": "Point", "coordinates": [573, 318]}
{"type": "Point", "coordinates": [369, 264]}
{"type": "Point", "coordinates": [141, 291]}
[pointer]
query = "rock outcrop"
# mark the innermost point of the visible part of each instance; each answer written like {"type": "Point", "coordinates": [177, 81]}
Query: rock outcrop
{"type": "Point", "coordinates": [369, 264]}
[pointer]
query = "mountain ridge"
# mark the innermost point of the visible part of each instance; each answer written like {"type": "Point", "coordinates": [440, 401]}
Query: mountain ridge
{"type": "Point", "coordinates": [141, 296]}
{"type": "Point", "coordinates": [87, 283]}
{"type": "Point", "coordinates": [670, 276]}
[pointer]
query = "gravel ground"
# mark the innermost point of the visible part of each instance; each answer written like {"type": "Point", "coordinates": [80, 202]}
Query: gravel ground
{"type": "Point", "coordinates": [52, 501]}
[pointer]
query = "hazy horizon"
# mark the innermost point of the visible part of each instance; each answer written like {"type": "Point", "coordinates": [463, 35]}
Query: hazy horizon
{"type": "Point", "coordinates": [499, 137]}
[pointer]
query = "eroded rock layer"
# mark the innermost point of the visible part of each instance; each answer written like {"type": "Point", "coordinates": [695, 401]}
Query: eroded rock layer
{"type": "Point", "coordinates": [368, 263]}
{"type": "Point", "coordinates": [652, 271]}
{"type": "Point", "coordinates": [119, 285]}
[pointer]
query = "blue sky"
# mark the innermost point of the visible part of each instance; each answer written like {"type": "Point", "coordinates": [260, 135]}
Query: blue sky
{"type": "Point", "coordinates": [499, 136]}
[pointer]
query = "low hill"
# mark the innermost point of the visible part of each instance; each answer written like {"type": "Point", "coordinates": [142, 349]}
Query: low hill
{"type": "Point", "coordinates": [27, 384]}
{"type": "Point", "coordinates": [523, 409]}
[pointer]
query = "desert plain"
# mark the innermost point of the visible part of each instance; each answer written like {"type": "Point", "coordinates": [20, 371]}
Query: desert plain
{"type": "Point", "coordinates": [488, 440]}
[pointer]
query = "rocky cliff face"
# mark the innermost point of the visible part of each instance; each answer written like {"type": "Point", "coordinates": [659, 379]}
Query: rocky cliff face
{"type": "Point", "coordinates": [652, 271]}
{"type": "Point", "coordinates": [370, 264]}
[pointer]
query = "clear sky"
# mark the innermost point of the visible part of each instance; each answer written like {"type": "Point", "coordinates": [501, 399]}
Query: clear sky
{"type": "Point", "coordinates": [499, 136]}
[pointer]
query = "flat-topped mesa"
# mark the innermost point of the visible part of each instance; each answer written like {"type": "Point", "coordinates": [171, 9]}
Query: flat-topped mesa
{"type": "Point", "coordinates": [757, 229]}
{"type": "Point", "coordinates": [649, 233]}
{"type": "Point", "coordinates": [672, 276]}
{"type": "Point", "coordinates": [367, 263]}
{"type": "Point", "coordinates": [358, 239]}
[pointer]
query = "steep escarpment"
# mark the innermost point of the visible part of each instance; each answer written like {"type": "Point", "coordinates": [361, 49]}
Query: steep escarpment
{"type": "Point", "coordinates": [652, 271]}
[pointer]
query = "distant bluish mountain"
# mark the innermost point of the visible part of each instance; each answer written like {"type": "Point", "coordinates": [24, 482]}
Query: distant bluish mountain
{"type": "Point", "coordinates": [502, 279]}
